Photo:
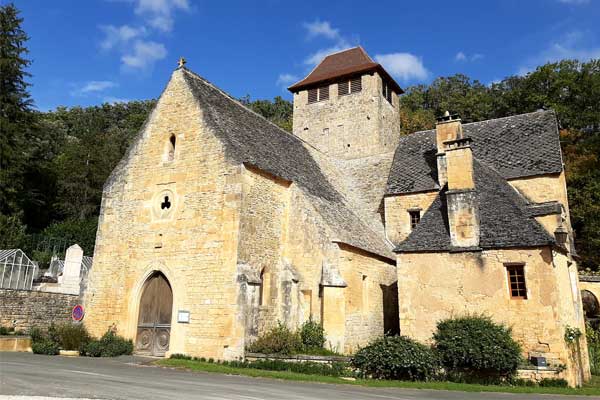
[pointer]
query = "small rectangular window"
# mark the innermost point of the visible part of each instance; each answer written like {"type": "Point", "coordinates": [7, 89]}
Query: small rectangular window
{"type": "Point", "coordinates": [356, 84]}
{"type": "Point", "coordinates": [324, 93]}
{"type": "Point", "coordinates": [312, 95]}
{"type": "Point", "coordinates": [415, 218]}
{"type": "Point", "coordinates": [343, 88]}
{"type": "Point", "coordinates": [516, 281]}
{"type": "Point", "coordinates": [387, 92]}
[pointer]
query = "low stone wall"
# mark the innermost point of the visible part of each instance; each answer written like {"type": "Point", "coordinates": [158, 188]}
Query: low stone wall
{"type": "Point", "coordinates": [15, 343]}
{"type": "Point", "coordinates": [296, 358]}
{"type": "Point", "coordinates": [23, 309]}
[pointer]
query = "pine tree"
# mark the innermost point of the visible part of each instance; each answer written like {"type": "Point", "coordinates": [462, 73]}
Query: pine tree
{"type": "Point", "coordinates": [16, 115]}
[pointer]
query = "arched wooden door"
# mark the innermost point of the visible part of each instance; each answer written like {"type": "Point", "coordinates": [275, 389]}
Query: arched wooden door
{"type": "Point", "coordinates": [154, 321]}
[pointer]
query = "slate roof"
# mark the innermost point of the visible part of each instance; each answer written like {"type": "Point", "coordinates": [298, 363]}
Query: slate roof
{"type": "Point", "coordinates": [341, 64]}
{"type": "Point", "coordinates": [250, 138]}
{"type": "Point", "coordinates": [504, 217]}
{"type": "Point", "coordinates": [517, 146]}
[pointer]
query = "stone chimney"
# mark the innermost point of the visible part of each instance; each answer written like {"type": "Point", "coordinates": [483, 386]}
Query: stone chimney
{"type": "Point", "coordinates": [455, 168]}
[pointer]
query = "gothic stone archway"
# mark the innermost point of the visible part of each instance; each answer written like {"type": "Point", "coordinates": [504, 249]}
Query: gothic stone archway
{"type": "Point", "coordinates": [154, 320]}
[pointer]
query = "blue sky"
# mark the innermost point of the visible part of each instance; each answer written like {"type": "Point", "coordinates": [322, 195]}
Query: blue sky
{"type": "Point", "coordinates": [92, 51]}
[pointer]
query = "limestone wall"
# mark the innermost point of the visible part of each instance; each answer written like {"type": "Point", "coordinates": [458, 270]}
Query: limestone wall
{"type": "Point", "coordinates": [369, 282]}
{"type": "Point", "coordinates": [397, 218]}
{"type": "Point", "coordinates": [435, 286]}
{"type": "Point", "coordinates": [24, 309]}
{"type": "Point", "coordinates": [349, 126]}
{"type": "Point", "coordinates": [193, 242]}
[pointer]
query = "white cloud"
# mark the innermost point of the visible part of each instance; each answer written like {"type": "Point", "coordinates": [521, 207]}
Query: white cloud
{"type": "Point", "coordinates": [404, 66]}
{"type": "Point", "coordinates": [285, 80]}
{"type": "Point", "coordinates": [575, 2]}
{"type": "Point", "coordinates": [114, 100]}
{"type": "Point", "coordinates": [144, 54]}
{"type": "Point", "coordinates": [91, 87]}
{"type": "Point", "coordinates": [462, 57]}
{"type": "Point", "coordinates": [321, 28]}
{"type": "Point", "coordinates": [119, 35]}
{"type": "Point", "coordinates": [325, 30]}
{"type": "Point", "coordinates": [159, 13]}
{"type": "Point", "coordinates": [573, 45]}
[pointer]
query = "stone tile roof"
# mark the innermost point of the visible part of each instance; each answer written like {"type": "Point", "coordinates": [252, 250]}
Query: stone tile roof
{"type": "Point", "coordinates": [518, 146]}
{"type": "Point", "coordinates": [547, 208]}
{"type": "Point", "coordinates": [250, 138]}
{"type": "Point", "coordinates": [503, 213]}
{"type": "Point", "coordinates": [343, 63]}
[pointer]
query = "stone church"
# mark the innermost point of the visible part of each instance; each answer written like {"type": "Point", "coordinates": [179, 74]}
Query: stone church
{"type": "Point", "coordinates": [217, 224]}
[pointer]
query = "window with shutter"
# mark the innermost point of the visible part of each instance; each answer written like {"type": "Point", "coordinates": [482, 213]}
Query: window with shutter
{"type": "Point", "coordinates": [343, 88]}
{"type": "Point", "coordinates": [312, 96]}
{"type": "Point", "coordinates": [356, 84]}
{"type": "Point", "coordinates": [324, 93]}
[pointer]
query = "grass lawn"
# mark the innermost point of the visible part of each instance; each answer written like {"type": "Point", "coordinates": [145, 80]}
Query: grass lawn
{"type": "Point", "coordinates": [591, 389]}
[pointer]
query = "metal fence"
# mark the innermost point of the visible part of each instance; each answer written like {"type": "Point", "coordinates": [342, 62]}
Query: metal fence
{"type": "Point", "coordinates": [18, 271]}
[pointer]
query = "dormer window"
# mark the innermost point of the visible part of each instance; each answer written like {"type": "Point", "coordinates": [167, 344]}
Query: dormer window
{"type": "Point", "coordinates": [350, 86]}
{"type": "Point", "coordinates": [171, 146]}
{"type": "Point", "coordinates": [318, 94]}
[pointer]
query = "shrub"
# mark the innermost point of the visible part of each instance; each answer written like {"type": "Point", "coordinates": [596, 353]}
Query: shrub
{"type": "Point", "coordinates": [45, 346]}
{"type": "Point", "coordinates": [109, 345]}
{"type": "Point", "coordinates": [279, 340]}
{"type": "Point", "coordinates": [4, 330]}
{"type": "Point", "coordinates": [475, 346]}
{"type": "Point", "coordinates": [312, 335]}
{"type": "Point", "coordinates": [72, 336]}
{"type": "Point", "coordinates": [396, 357]}
{"type": "Point", "coordinates": [36, 334]}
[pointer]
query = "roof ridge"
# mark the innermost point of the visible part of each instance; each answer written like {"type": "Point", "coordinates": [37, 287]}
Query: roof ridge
{"type": "Point", "coordinates": [487, 120]}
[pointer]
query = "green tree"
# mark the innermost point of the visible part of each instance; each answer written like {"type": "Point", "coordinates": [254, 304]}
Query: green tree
{"type": "Point", "coordinates": [16, 116]}
{"type": "Point", "coordinates": [278, 111]}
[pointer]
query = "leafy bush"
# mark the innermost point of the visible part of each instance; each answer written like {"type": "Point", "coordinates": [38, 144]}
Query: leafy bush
{"type": "Point", "coordinates": [36, 334]}
{"type": "Point", "coordinates": [4, 330]}
{"type": "Point", "coordinates": [475, 346]}
{"type": "Point", "coordinates": [312, 335]}
{"type": "Point", "coordinates": [396, 357]}
{"type": "Point", "coordinates": [109, 345]}
{"type": "Point", "coordinates": [45, 346]}
{"type": "Point", "coordinates": [72, 336]}
{"type": "Point", "coordinates": [279, 340]}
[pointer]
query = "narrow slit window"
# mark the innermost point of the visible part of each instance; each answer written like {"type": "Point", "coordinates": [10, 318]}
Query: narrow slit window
{"type": "Point", "coordinates": [516, 281]}
{"type": "Point", "coordinates": [386, 91]}
{"type": "Point", "coordinates": [415, 218]}
{"type": "Point", "coordinates": [172, 141]}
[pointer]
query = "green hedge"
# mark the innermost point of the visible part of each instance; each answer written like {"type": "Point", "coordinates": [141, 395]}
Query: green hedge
{"type": "Point", "coordinates": [397, 357]}
{"type": "Point", "coordinates": [476, 347]}
{"type": "Point", "coordinates": [309, 339]}
{"type": "Point", "coordinates": [109, 345]}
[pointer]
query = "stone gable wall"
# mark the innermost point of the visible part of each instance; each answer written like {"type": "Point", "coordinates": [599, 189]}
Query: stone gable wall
{"type": "Point", "coordinates": [25, 309]}
{"type": "Point", "coordinates": [193, 243]}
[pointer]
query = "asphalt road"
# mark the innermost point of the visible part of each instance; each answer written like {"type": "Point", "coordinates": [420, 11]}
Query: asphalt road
{"type": "Point", "coordinates": [24, 374]}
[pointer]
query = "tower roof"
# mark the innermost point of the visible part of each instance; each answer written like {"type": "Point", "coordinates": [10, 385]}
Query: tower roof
{"type": "Point", "coordinates": [342, 64]}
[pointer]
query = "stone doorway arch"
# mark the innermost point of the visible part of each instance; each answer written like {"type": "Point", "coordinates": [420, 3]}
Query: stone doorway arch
{"type": "Point", "coordinates": [154, 318]}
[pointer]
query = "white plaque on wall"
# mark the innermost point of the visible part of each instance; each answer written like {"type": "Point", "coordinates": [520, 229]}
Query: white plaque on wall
{"type": "Point", "coordinates": [183, 317]}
